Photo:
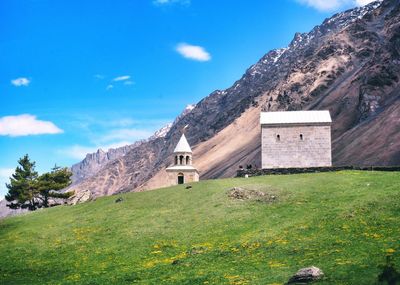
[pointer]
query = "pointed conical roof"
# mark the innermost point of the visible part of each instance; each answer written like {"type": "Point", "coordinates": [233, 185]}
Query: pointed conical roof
{"type": "Point", "coordinates": [183, 145]}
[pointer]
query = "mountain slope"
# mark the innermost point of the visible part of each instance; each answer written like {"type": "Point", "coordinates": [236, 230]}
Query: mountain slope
{"type": "Point", "coordinates": [350, 65]}
{"type": "Point", "coordinates": [93, 162]}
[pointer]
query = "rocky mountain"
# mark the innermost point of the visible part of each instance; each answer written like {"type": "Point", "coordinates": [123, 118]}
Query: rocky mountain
{"type": "Point", "coordinates": [93, 162]}
{"type": "Point", "coordinates": [6, 212]}
{"type": "Point", "coordinates": [350, 64]}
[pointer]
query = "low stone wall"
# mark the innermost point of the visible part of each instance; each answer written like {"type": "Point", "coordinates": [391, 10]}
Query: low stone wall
{"type": "Point", "coordinates": [281, 171]}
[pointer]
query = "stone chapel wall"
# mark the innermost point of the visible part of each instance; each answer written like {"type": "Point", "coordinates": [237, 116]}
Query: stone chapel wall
{"type": "Point", "coordinates": [282, 146]}
{"type": "Point", "coordinates": [190, 176]}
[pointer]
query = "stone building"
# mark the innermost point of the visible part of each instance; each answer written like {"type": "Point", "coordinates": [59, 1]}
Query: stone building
{"type": "Point", "coordinates": [182, 171]}
{"type": "Point", "coordinates": [296, 139]}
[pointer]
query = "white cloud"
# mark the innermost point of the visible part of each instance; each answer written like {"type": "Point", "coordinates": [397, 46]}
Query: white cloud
{"type": "Point", "coordinates": [79, 151]}
{"type": "Point", "coordinates": [99, 76]}
{"type": "Point", "coordinates": [364, 2]}
{"type": "Point", "coordinates": [26, 125]}
{"type": "Point", "coordinates": [5, 174]}
{"type": "Point", "coordinates": [166, 2]}
{"type": "Point", "coordinates": [21, 81]}
{"type": "Point", "coordinates": [113, 139]}
{"type": "Point", "coordinates": [122, 78]}
{"type": "Point", "coordinates": [330, 5]}
{"type": "Point", "coordinates": [322, 5]}
{"type": "Point", "coordinates": [193, 52]}
{"type": "Point", "coordinates": [132, 135]}
{"type": "Point", "coordinates": [123, 122]}
{"type": "Point", "coordinates": [108, 132]}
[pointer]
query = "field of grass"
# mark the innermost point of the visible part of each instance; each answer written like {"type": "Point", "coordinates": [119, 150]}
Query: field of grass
{"type": "Point", "coordinates": [345, 223]}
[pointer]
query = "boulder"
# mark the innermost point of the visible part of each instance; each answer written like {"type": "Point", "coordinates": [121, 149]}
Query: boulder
{"type": "Point", "coordinates": [306, 275]}
{"type": "Point", "coordinates": [80, 197]}
{"type": "Point", "coordinates": [119, 200]}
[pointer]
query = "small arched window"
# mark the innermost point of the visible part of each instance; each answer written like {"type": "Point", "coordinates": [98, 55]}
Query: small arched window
{"type": "Point", "coordinates": [278, 137]}
{"type": "Point", "coordinates": [187, 160]}
{"type": "Point", "coordinates": [181, 160]}
{"type": "Point", "coordinates": [176, 160]}
{"type": "Point", "coordinates": [301, 137]}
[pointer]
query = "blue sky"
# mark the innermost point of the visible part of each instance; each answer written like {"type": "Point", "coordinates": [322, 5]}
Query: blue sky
{"type": "Point", "coordinates": [79, 75]}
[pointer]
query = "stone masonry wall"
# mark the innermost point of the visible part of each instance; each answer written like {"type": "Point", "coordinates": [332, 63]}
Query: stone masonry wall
{"type": "Point", "coordinates": [290, 151]}
{"type": "Point", "coordinates": [189, 176]}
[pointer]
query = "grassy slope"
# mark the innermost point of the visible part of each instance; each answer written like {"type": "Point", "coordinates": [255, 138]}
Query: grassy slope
{"type": "Point", "coordinates": [345, 223]}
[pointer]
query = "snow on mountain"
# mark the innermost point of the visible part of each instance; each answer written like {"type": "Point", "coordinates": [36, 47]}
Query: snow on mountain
{"type": "Point", "coordinates": [93, 162]}
{"type": "Point", "coordinates": [161, 133]}
{"type": "Point", "coordinates": [348, 65]}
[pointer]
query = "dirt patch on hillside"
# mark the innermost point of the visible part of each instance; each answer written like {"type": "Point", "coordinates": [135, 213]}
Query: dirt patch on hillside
{"type": "Point", "coordinates": [243, 194]}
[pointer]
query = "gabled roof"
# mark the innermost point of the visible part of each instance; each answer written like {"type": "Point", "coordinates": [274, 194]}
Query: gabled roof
{"type": "Point", "coordinates": [295, 117]}
{"type": "Point", "coordinates": [183, 145]}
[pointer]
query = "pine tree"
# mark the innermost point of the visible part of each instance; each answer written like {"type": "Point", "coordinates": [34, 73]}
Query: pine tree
{"type": "Point", "coordinates": [28, 190]}
{"type": "Point", "coordinates": [22, 189]}
{"type": "Point", "coordinates": [50, 183]}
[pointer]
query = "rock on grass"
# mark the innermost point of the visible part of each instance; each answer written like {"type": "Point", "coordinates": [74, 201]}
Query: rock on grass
{"type": "Point", "coordinates": [306, 275]}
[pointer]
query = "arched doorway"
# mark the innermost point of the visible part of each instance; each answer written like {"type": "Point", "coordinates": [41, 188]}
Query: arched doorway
{"type": "Point", "coordinates": [181, 178]}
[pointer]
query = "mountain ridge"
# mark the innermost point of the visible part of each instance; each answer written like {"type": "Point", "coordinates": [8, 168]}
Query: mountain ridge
{"type": "Point", "coordinates": [337, 66]}
{"type": "Point", "coordinates": [93, 162]}
{"type": "Point", "coordinates": [350, 65]}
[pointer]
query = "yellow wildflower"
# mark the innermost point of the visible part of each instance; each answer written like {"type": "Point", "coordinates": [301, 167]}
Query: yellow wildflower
{"type": "Point", "coordinates": [390, 251]}
{"type": "Point", "coordinates": [275, 264]}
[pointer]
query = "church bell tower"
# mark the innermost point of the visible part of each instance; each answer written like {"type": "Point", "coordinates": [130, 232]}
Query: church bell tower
{"type": "Point", "coordinates": [182, 171]}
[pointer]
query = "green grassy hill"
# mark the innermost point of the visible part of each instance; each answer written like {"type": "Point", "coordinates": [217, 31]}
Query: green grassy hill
{"type": "Point", "coordinates": [345, 223]}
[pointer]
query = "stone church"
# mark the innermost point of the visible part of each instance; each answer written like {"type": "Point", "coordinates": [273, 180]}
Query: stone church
{"type": "Point", "coordinates": [296, 139]}
{"type": "Point", "coordinates": [182, 171]}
